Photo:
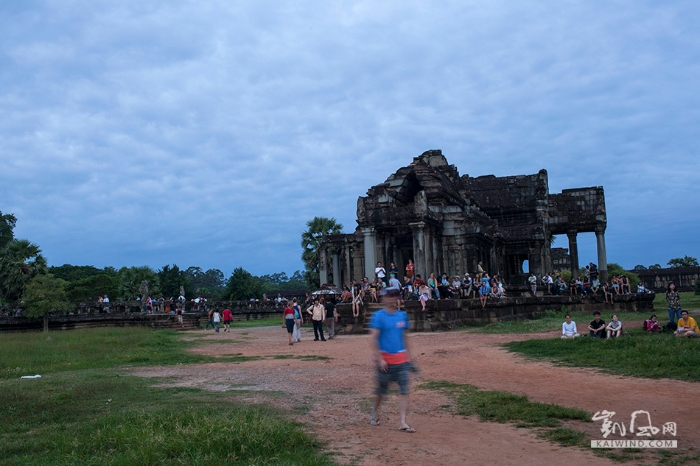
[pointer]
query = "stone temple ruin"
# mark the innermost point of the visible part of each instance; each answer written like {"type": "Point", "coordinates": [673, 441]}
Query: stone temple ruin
{"type": "Point", "coordinates": [449, 223]}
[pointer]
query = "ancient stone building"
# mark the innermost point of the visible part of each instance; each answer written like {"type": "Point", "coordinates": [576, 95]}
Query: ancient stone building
{"type": "Point", "coordinates": [448, 223]}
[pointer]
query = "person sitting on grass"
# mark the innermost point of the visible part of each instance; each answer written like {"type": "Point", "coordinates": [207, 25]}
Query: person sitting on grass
{"type": "Point", "coordinates": [597, 326]}
{"type": "Point", "coordinates": [483, 294]}
{"type": "Point", "coordinates": [614, 328]}
{"type": "Point", "coordinates": [652, 325]}
{"type": "Point", "coordinates": [568, 329]}
{"type": "Point", "coordinates": [687, 327]}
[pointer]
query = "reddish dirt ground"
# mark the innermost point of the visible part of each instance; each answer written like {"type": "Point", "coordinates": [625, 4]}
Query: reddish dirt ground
{"type": "Point", "coordinates": [333, 397]}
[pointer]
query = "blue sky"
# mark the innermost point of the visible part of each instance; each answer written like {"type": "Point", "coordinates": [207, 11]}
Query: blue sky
{"type": "Point", "coordinates": [208, 133]}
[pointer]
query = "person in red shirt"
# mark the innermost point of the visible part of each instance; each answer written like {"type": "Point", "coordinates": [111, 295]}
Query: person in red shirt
{"type": "Point", "coordinates": [228, 317]}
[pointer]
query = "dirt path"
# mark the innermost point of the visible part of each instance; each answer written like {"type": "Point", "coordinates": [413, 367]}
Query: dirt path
{"type": "Point", "coordinates": [333, 397]}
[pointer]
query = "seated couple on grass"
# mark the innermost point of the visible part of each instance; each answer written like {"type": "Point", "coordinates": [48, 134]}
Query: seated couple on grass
{"type": "Point", "coordinates": [596, 328]}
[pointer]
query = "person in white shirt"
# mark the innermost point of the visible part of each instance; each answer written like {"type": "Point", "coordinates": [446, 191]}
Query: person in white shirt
{"type": "Point", "coordinates": [568, 328]}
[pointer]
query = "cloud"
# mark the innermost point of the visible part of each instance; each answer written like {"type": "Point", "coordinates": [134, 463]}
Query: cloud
{"type": "Point", "coordinates": [208, 133]}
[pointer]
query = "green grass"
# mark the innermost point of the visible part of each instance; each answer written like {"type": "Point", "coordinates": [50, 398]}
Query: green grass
{"type": "Point", "coordinates": [68, 418]}
{"type": "Point", "coordinates": [503, 407]}
{"type": "Point", "coordinates": [84, 411]}
{"type": "Point", "coordinates": [637, 355]}
{"type": "Point", "coordinates": [552, 321]}
{"type": "Point", "coordinates": [689, 300]}
{"type": "Point", "coordinates": [266, 322]}
{"type": "Point", "coordinates": [33, 353]}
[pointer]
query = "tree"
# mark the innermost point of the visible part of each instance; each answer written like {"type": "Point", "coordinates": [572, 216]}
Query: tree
{"type": "Point", "coordinates": [89, 288]}
{"type": "Point", "coordinates": [7, 226]}
{"type": "Point", "coordinates": [243, 285]}
{"type": "Point", "coordinates": [45, 294]}
{"type": "Point", "coordinates": [72, 273]}
{"type": "Point", "coordinates": [654, 266]}
{"type": "Point", "coordinates": [686, 261]}
{"type": "Point", "coordinates": [130, 279]}
{"type": "Point", "coordinates": [616, 269]}
{"type": "Point", "coordinates": [20, 261]}
{"type": "Point", "coordinates": [209, 284]}
{"type": "Point", "coordinates": [639, 267]}
{"type": "Point", "coordinates": [311, 239]}
{"type": "Point", "coordinates": [171, 279]}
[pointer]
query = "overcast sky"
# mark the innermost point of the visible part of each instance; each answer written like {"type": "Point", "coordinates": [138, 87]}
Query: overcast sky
{"type": "Point", "coordinates": [203, 133]}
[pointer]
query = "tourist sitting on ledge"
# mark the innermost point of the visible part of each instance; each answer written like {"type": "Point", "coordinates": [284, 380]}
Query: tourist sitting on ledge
{"type": "Point", "coordinates": [641, 289]}
{"type": "Point", "coordinates": [687, 327]}
{"type": "Point", "coordinates": [483, 294]}
{"type": "Point", "coordinates": [651, 325]}
{"type": "Point", "coordinates": [568, 329]}
{"type": "Point", "coordinates": [597, 326]}
{"type": "Point", "coordinates": [614, 328]}
{"type": "Point", "coordinates": [424, 295]}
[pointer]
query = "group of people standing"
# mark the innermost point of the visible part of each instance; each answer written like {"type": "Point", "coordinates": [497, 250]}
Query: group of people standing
{"type": "Point", "coordinates": [320, 310]}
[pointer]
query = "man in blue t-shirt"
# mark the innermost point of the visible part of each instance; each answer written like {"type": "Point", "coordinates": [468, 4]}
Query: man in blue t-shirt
{"type": "Point", "coordinates": [390, 354]}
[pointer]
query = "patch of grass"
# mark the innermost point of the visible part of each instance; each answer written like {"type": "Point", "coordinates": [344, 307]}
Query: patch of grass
{"type": "Point", "coordinates": [303, 357]}
{"type": "Point", "coordinates": [100, 417]}
{"type": "Point", "coordinates": [669, 458]}
{"type": "Point", "coordinates": [551, 321]}
{"type": "Point", "coordinates": [33, 353]}
{"type": "Point", "coordinates": [505, 407]}
{"type": "Point", "coordinates": [564, 436]}
{"type": "Point", "coordinates": [637, 355]}
{"type": "Point", "coordinates": [266, 322]}
{"type": "Point", "coordinates": [82, 411]}
{"type": "Point", "coordinates": [689, 300]}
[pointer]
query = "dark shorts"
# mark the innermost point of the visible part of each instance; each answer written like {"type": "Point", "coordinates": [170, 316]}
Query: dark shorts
{"type": "Point", "coordinates": [290, 325]}
{"type": "Point", "coordinates": [227, 322]}
{"type": "Point", "coordinates": [395, 373]}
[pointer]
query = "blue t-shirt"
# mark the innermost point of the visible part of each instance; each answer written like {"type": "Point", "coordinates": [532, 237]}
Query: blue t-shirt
{"type": "Point", "coordinates": [391, 330]}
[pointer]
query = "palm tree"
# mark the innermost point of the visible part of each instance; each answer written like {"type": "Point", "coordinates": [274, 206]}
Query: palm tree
{"type": "Point", "coordinates": [20, 261]}
{"type": "Point", "coordinates": [311, 239]}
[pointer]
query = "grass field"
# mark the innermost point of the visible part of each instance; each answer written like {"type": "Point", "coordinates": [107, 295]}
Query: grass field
{"type": "Point", "coordinates": [639, 354]}
{"type": "Point", "coordinates": [550, 322]}
{"type": "Point", "coordinates": [84, 410]}
{"type": "Point", "coordinates": [689, 301]}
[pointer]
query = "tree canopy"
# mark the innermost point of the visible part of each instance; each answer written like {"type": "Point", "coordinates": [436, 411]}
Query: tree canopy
{"type": "Point", "coordinates": [45, 294]}
{"type": "Point", "coordinates": [685, 261]}
{"type": "Point", "coordinates": [243, 286]}
{"type": "Point", "coordinates": [20, 261]}
{"type": "Point", "coordinates": [7, 226]}
{"type": "Point", "coordinates": [318, 228]}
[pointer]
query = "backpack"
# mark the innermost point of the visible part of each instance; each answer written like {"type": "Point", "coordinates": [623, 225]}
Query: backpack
{"type": "Point", "coordinates": [645, 325]}
{"type": "Point", "coordinates": [670, 327]}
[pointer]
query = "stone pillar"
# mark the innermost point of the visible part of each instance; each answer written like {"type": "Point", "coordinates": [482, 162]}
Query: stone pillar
{"type": "Point", "coordinates": [602, 257]}
{"type": "Point", "coordinates": [370, 251]}
{"type": "Point", "coordinates": [322, 266]}
{"type": "Point", "coordinates": [348, 270]}
{"type": "Point", "coordinates": [336, 268]}
{"type": "Point", "coordinates": [573, 252]}
{"type": "Point", "coordinates": [419, 246]}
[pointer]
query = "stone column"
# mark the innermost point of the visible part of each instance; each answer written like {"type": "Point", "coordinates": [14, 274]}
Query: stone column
{"type": "Point", "coordinates": [419, 258]}
{"type": "Point", "coordinates": [348, 270]}
{"type": "Point", "coordinates": [573, 252]}
{"type": "Point", "coordinates": [322, 266]}
{"type": "Point", "coordinates": [336, 268]}
{"type": "Point", "coordinates": [370, 251]}
{"type": "Point", "coordinates": [602, 257]}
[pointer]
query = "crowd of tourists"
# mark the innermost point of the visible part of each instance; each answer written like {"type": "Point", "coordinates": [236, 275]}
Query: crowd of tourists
{"type": "Point", "coordinates": [416, 287]}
